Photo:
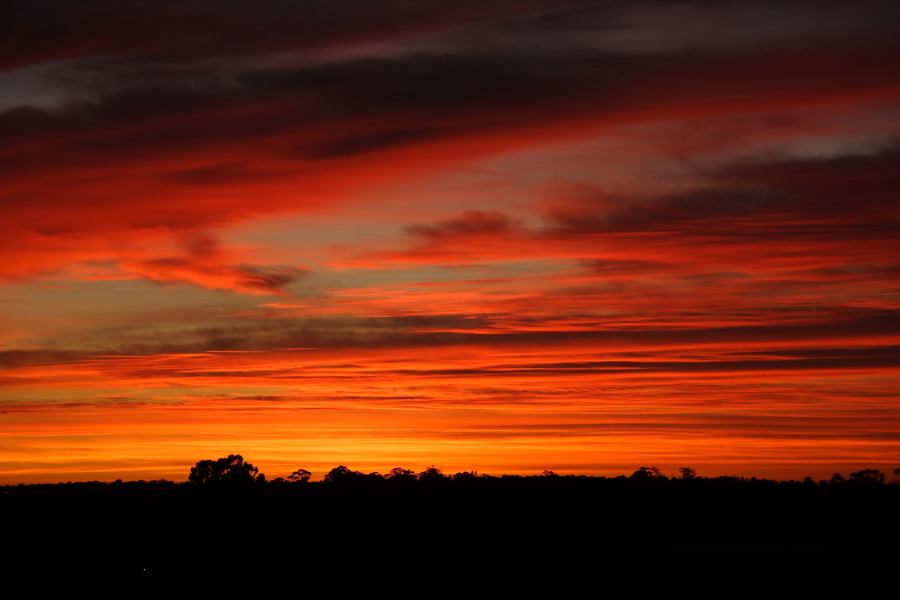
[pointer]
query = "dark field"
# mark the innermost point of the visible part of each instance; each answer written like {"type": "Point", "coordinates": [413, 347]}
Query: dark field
{"type": "Point", "coordinates": [555, 536]}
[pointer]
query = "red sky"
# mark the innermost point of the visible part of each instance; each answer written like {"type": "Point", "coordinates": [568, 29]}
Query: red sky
{"type": "Point", "coordinates": [579, 236]}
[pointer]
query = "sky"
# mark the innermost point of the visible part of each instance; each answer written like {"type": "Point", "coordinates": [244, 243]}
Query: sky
{"type": "Point", "coordinates": [583, 236]}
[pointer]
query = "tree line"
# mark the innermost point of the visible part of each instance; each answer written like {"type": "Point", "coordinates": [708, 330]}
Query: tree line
{"type": "Point", "coordinates": [234, 470]}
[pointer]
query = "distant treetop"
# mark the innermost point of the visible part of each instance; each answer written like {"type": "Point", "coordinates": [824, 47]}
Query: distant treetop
{"type": "Point", "coordinates": [228, 470]}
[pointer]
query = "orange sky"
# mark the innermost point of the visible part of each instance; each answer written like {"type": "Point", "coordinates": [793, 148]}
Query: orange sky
{"type": "Point", "coordinates": [577, 236]}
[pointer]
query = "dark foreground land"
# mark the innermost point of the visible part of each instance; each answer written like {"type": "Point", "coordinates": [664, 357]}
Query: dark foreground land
{"type": "Point", "coordinates": [552, 536]}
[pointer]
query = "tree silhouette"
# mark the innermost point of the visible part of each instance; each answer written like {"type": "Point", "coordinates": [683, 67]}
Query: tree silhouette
{"type": "Point", "coordinates": [688, 473]}
{"type": "Point", "coordinates": [432, 473]}
{"type": "Point", "coordinates": [229, 470]}
{"type": "Point", "coordinates": [401, 474]}
{"type": "Point", "coordinates": [299, 476]}
{"type": "Point", "coordinates": [868, 476]}
{"type": "Point", "coordinates": [342, 474]}
{"type": "Point", "coordinates": [647, 473]}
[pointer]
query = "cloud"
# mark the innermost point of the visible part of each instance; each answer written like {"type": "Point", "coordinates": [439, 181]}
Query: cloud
{"type": "Point", "coordinates": [55, 30]}
{"type": "Point", "coordinates": [159, 147]}
{"type": "Point", "coordinates": [205, 264]}
{"type": "Point", "coordinates": [240, 278]}
{"type": "Point", "coordinates": [489, 333]}
{"type": "Point", "coordinates": [840, 206]}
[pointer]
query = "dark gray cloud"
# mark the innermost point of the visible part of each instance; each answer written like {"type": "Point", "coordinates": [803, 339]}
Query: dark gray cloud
{"type": "Point", "coordinates": [252, 334]}
{"type": "Point", "coordinates": [850, 196]}
{"type": "Point", "coordinates": [44, 30]}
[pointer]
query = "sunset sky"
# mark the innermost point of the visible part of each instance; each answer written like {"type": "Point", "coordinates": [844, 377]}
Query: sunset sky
{"type": "Point", "coordinates": [494, 236]}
